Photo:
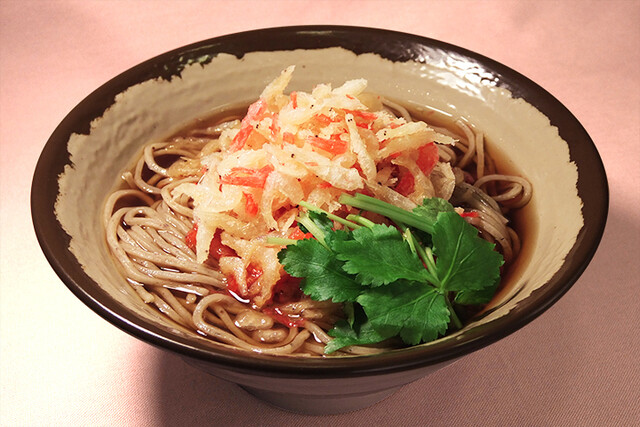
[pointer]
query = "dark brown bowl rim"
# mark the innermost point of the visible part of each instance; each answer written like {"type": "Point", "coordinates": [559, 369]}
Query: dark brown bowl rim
{"type": "Point", "coordinates": [392, 45]}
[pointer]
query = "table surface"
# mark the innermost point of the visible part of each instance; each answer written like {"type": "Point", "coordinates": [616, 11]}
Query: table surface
{"type": "Point", "coordinates": [577, 364]}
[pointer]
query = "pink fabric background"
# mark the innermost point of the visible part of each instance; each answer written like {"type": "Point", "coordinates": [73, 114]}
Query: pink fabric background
{"type": "Point", "coordinates": [575, 365]}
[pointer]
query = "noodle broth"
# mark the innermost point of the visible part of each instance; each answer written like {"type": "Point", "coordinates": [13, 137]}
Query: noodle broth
{"type": "Point", "coordinates": [289, 324]}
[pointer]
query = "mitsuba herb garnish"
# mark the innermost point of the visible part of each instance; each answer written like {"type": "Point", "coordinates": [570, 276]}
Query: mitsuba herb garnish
{"type": "Point", "coordinates": [402, 280]}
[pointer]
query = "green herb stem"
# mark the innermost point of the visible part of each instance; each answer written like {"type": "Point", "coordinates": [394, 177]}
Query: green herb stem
{"type": "Point", "coordinates": [392, 212]}
{"type": "Point", "coordinates": [313, 229]}
{"type": "Point", "coordinates": [410, 239]}
{"type": "Point", "coordinates": [429, 260]}
{"type": "Point", "coordinates": [454, 317]}
{"type": "Point", "coordinates": [331, 216]}
{"type": "Point", "coordinates": [426, 257]}
{"type": "Point", "coordinates": [433, 278]}
{"type": "Point", "coordinates": [361, 220]}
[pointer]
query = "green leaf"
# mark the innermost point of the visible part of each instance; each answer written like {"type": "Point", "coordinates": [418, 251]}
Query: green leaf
{"type": "Point", "coordinates": [476, 297]}
{"type": "Point", "coordinates": [431, 207]}
{"type": "Point", "coordinates": [415, 311]}
{"type": "Point", "coordinates": [320, 219]}
{"type": "Point", "coordinates": [428, 212]}
{"type": "Point", "coordinates": [360, 332]}
{"type": "Point", "coordinates": [378, 256]}
{"type": "Point", "coordinates": [322, 273]}
{"type": "Point", "coordinates": [465, 262]}
{"type": "Point", "coordinates": [349, 311]}
{"type": "Point", "coordinates": [383, 284]}
{"type": "Point", "coordinates": [344, 335]}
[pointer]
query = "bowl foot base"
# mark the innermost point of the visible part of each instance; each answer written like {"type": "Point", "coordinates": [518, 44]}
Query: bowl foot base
{"type": "Point", "coordinates": [320, 405]}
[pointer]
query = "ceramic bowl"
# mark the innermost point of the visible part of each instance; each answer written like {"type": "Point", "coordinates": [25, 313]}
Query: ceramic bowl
{"type": "Point", "coordinates": [534, 132]}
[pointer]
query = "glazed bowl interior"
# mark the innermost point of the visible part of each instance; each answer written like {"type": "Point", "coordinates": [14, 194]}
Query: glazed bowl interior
{"type": "Point", "coordinates": [532, 132]}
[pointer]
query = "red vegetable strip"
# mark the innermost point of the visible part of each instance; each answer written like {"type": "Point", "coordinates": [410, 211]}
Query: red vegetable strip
{"type": "Point", "coordinates": [406, 184]}
{"type": "Point", "coordinates": [190, 238]}
{"type": "Point", "coordinates": [366, 115]}
{"type": "Point", "coordinates": [294, 99]}
{"type": "Point", "coordinates": [297, 234]}
{"type": "Point", "coordinates": [427, 157]}
{"type": "Point", "coordinates": [241, 138]}
{"type": "Point", "coordinates": [247, 177]}
{"type": "Point", "coordinates": [335, 145]}
{"type": "Point", "coordinates": [288, 137]}
{"type": "Point", "coordinates": [472, 214]}
{"type": "Point", "coordinates": [323, 119]}
{"type": "Point", "coordinates": [287, 289]}
{"type": "Point", "coordinates": [218, 250]}
{"type": "Point", "coordinates": [253, 274]}
{"type": "Point", "coordinates": [275, 127]}
{"type": "Point", "coordinates": [253, 113]}
{"type": "Point", "coordinates": [232, 286]}
{"type": "Point", "coordinates": [255, 110]}
{"type": "Point", "coordinates": [250, 205]}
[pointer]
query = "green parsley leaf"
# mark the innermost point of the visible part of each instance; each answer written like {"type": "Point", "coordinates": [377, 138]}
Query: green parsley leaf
{"type": "Point", "coordinates": [464, 261]}
{"type": "Point", "coordinates": [380, 276]}
{"type": "Point", "coordinates": [431, 207]}
{"type": "Point", "coordinates": [428, 211]}
{"type": "Point", "coordinates": [356, 331]}
{"type": "Point", "coordinates": [322, 221]}
{"type": "Point", "coordinates": [322, 273]}
{"type": "Point", "coordinates": [344, 335]}
{"type": "Point", "coordinates": [415, 311]}
{"type": "Point", "coordinates": [476, 297]}
{"type": "Point", "coordinates": [379, 256]}
{"type": "Point", "coordinates": [350, 312]}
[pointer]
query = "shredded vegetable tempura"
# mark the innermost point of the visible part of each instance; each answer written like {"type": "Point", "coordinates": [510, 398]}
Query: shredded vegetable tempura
{"type": "Point", "coordinates": [305, 146]}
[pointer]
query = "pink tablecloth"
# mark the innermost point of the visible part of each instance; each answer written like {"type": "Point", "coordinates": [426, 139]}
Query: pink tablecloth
{"type": "Point", "coordinates": [575, 365]}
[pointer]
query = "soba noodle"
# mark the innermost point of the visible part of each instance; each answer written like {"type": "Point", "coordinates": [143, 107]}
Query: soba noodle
{"type": "Point", "coordinates": [147, 222]}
